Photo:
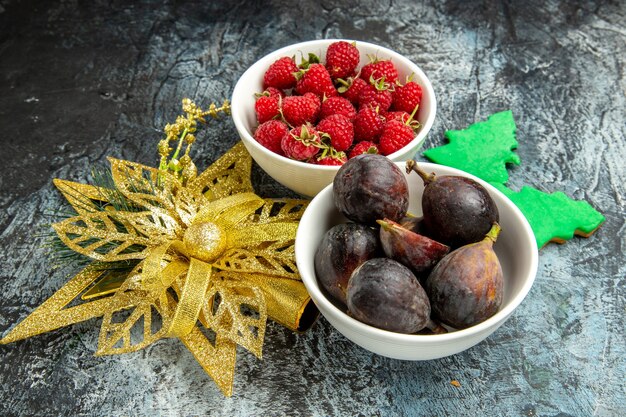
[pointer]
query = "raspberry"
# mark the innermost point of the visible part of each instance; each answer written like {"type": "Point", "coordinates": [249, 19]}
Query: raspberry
{"type": "Point", "coordinates": [363, 147]}
{"type": "Point", "coordinates": [301, 143]}
{"type": "Point", "coordinates": [342, 58]}
{"type": "Point", "coordinates": [298, 110]}
{"type": "Point", "coordinates": [266, 108]}
{"type": "Point", "coordinates": [333, 160]}
{"type": "Point", "coordinates": [375, 95]}
{"type": "Point", "coordinates": [339, 129]}
{"type": "Point", "coordinates": [273, 92]}
{"type": "Point", "coordinates": [395, 135]}
{"type": "Point", "coordinates": [315, 79]}
{"type": "Point", "coordinates": [351, 89]}
{"type": "Point", "coordinates": [404, 117]}
{"type": "Point", "coordinates": [368, 124]}
{"type": "Point", "coordinates": [378, 69]}
{"type": "Point", "coordinates": [337, 105]}
{"type": "Point", "coordinates": [270, 134]}
{"type": "Point", "coordinates": [280, 74]}
{"type": "Point", "coordinates": [407, 97]}
{"type": "Point", "coordinates": [397, 115]}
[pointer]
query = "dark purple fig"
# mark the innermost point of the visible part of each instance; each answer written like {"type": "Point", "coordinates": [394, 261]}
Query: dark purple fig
{"type": "Point", "coordinates": [411, 249]}
{"type": "Point", "coordinates": [385, 294]}
{"type": "Point", "coordinates": [371, 187]}
{"type": "Point", "coordinates": [465, 287]}
{"type": "Point", "coordinates": [343, 248]}
{"type": "Point", "coordinates": [457, 210]}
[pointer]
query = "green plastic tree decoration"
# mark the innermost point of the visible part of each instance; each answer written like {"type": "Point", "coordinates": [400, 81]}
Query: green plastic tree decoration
{"type": "Point", "coordinates": [554, 217]}
{"type": "Point", "coordinates": [484, 149]}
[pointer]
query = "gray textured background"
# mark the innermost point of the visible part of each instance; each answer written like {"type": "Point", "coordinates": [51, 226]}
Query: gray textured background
{"type": "Point", "coordinates": [83, 80]}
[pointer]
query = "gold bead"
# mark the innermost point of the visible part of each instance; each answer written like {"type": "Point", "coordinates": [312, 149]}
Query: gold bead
{"type": "Point", "coordinates": [205, 241]}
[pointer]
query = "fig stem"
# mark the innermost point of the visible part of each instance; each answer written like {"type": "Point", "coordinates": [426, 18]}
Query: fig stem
{"type": "Point", "coordinates": [411, 165]}
{"type": "Point", "coordinates": [493, 233]}
{"type": "Point", "coordinates": [435, 327]}
{"type": "Point", "coordinates": [384, 224]}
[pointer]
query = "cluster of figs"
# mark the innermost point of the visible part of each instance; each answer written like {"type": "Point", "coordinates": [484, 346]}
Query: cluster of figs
{"type": "Point", "coordinates": [410, 274]}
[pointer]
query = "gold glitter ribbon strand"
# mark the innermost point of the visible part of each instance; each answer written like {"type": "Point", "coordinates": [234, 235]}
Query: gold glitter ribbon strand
{"type": "Point", "coordinates": [191, 298]}
{"type": "Point", "coordinates": [230, 211]}
{"type": "Point", "coordinates": [250, 235]}
{"type": "Point", "coordinates": [287, 300]}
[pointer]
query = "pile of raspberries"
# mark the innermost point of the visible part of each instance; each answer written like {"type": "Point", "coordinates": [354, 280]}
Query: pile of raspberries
{"type": "Point", "coordinates": [325, 113]}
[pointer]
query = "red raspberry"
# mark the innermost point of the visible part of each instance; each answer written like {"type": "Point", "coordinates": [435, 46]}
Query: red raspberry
{"type": "Point", "coordinates": [351, 89]}
{"type": "Point", "coordinates": [298, 110]}
{"type": "Point", "coordinates": [404, 117]}
{"type": "Point", "coordinates": [333, 160]}
{"type": "Point", "coordinates": [375, 95]}
{"type": "Point", "coordinates": [407, 97]}
{"type": "Point", "coordinates": [395, 135]}
{"type": "Point", "coordinates": [270, 134]}
{"type": "Point", "coordinates": [337, 105]}
{"type": "Point", "coordinates": [363, 147]}
{"type": "Point", "coordinates": [378, 69]}
{"type": "Point", "coordinates": [266, 108]}
{"type": "Point", "coordinates": [342, 58]}
{"type": "Point", "coordinates": [339, 129]}
{"type": "Point", "coordinates": [398, 115]}
{"type": "Point", "coordinates": [273, 92]}
{"type": "Point", "coordinates": [315, 79]}
{"type": "Point", "coordinates": [281, 74]}
{"type": "Point", "coordinates": [368, 124]}
{"type": "Point", "coordinates": [301, 143]}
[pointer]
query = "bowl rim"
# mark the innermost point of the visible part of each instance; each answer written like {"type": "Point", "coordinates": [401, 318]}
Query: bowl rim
{"type": "Point", "coordinates": [265, 61]}
{"type": "Point", "coordinates": [392, 337]}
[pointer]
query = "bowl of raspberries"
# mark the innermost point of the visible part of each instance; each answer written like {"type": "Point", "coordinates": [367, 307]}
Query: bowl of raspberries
{"type": "Point", "coordinates": [306, 109]}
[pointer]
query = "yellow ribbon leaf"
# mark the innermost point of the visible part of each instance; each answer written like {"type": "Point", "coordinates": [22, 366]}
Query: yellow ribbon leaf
{"type": "Point", "coordinates": [140, 303]}
{"type": "Point", "coordinates": [227, 176]}
{"type": "Point", "coordinates": [80, 196]}
{"type": "Point", "coordinates": [53, 314]}
{"type": "Point", "coordinates": [237, 311]}
{"type": "Point", "coordinates": [103, 236]}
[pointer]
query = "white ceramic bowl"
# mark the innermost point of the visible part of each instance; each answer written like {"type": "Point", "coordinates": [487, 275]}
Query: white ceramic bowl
{"type": "Point", "coordinates": [303, 178]}
{"type": "Point", "coordinates": [516, 249]}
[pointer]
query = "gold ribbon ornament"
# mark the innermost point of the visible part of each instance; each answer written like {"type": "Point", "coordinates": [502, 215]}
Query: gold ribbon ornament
{"type": "Point", "coordinates": [212, 262]}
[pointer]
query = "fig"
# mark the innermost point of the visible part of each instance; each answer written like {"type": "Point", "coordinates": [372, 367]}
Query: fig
{"type": "Point", "coordinates": [343, 248]}
{"type": "Point", "coordinates": [371, 187]}
{"type": "Point", "coordinates": [385, 294]}
{"type": "Point", "coordinates": [457, 210]}
{"type": "Point", "coordinates": [466, 286]}
{"type": "Point", "coordinates": [419, 253]}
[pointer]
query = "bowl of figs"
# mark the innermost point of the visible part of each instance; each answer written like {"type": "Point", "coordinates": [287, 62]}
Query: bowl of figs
{"type": "Point", "coordinates": [414, 260]}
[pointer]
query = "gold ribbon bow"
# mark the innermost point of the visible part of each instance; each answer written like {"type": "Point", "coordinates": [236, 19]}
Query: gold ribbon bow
{"type": "Point", "coordinates": [213, 262]}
